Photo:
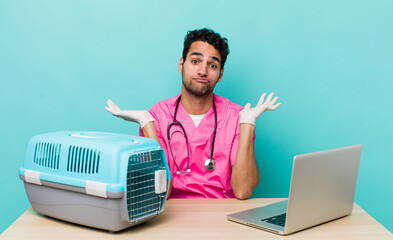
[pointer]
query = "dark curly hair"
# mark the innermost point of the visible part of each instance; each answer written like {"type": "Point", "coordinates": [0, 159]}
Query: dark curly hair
{"type": "Point", "coordinates": [209, 36]}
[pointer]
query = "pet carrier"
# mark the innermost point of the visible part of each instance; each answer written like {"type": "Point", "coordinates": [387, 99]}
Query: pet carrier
{"type": "Point", "coordinates": [102, 180]}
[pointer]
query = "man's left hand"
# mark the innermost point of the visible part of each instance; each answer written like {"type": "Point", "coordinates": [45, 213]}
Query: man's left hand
{"type": "Point", "coordinates": [250, 115]}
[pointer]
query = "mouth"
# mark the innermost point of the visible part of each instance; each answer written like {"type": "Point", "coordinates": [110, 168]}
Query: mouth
{"type": "Point", "coordinates": [201, 80]}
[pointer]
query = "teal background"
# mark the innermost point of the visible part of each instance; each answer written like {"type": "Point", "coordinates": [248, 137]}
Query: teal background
{"type": "Point", "coordinates": [330, 62]}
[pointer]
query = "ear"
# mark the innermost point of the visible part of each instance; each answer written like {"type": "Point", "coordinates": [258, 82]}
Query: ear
{"type": "Point", "coordinates": [180, 67]}
{"type": "Point", "coordinates": [221, 74]}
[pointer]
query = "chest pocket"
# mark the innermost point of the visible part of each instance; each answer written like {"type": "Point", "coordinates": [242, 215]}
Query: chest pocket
{"type": "Point", "coordinates": [221, 155]}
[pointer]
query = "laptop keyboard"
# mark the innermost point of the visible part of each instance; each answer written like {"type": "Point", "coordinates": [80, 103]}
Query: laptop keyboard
{"type": "Point", "coordinates": [277, 220]}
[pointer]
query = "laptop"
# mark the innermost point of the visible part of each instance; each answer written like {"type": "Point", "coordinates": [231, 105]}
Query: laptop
{"type": "Point", "coordinates": [323, 186]}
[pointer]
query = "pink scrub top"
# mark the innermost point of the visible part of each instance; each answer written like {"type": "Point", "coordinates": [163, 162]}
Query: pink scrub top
{"type": "Point", "coordinates": [199, 183]}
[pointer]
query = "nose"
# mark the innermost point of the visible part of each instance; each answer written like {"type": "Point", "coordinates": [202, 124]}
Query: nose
{"type": "Point", "coordinates": [202, 71]}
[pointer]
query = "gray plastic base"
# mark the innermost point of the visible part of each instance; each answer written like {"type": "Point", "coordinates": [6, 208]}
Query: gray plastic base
{"type": "Point", "coordinates": [104, 213]}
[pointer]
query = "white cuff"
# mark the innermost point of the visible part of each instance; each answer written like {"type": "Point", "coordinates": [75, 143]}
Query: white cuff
{"type": "Point", "coordinates": [247, 119]}
{"type": "Point", "coordinates": [146, 119]}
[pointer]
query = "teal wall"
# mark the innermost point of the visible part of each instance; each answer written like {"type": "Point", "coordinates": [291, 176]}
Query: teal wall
{"type": "Point", "coordinates": [330, 62]}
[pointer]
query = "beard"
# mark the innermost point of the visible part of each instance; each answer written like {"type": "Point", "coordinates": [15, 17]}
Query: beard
{"type": "Point", "coordinates": [198, 91]}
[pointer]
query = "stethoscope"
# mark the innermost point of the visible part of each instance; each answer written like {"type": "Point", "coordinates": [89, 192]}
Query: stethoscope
{"type": "Point", "coordinates": [210, 164]}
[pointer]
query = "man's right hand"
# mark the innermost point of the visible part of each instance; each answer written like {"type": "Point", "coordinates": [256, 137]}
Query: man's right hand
{"type": "Point", "coordinates": [142, 117]}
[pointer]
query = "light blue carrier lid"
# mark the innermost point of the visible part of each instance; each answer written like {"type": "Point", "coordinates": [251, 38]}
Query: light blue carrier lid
{"type": "Point", "coordinates": [76, 157]}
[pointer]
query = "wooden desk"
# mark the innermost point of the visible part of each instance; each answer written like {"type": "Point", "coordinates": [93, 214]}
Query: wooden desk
{"type": "Point", "coordinates": [197, 219]}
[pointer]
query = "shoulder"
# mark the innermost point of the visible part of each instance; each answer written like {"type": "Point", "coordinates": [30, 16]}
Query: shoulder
{"type": "Point", "coordinates": [228, 117]}
{"type": "Point", "coordinates": [227, 105]}
{"type": "Point", "coordinates": [164, 106]}
{"type": "Point", "coordinates": [228, 113]}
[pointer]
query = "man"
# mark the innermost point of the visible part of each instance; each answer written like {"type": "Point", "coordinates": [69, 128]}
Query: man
{"type": "Point", "coordinates": [208, 140]}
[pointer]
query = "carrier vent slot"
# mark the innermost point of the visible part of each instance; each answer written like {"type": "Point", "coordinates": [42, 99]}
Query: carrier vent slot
{"type": "Point", "coordinates": [83, 160]}
{"type": "Point", "coordinates": [47, 155]}
{"type": "Point", "coordinates": [142, 201]}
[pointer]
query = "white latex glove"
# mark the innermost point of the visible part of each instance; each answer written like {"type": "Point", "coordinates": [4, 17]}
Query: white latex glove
{"type": "Point", "coordinates": [142, 117]}
{"type": "Point", "coordinates": [250, 115]}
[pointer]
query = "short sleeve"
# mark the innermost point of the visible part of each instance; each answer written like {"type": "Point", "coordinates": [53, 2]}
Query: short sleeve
{"type": "Point", "coordinates": [235, 144]}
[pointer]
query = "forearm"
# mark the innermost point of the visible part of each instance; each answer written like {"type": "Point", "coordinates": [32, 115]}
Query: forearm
{"type": "Point", "coordinates": [245, 173]}
{"type": "Point", "coordinates": [149, 131]}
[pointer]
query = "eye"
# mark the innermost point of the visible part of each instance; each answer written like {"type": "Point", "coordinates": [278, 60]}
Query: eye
{"type": "Point", "coordinates": [194, 61]}
{"type": "Point", "coordinates": [213, 66]}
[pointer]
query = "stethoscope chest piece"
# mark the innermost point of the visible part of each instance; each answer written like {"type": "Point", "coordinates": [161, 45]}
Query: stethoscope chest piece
{"type": "Point", "coordinates": [210, 164]}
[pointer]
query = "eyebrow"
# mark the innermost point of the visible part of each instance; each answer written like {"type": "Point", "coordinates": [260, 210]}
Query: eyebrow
{"type": "Point", "coordinates": [200, 54]}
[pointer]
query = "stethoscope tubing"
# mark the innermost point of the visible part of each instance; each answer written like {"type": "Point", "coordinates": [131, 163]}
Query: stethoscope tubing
{"type": "Point", "coordinates": [170, 145]}
{"type": "Point", "coordinates": [185, 136]}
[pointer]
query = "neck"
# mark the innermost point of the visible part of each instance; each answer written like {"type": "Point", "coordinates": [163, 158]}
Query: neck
{"type": "Point", "coordinates": [196, 105]}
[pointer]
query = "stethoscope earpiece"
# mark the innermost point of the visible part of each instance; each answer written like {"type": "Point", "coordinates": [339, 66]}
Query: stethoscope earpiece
{"type": "Point", "coordinates": [187, 171]}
